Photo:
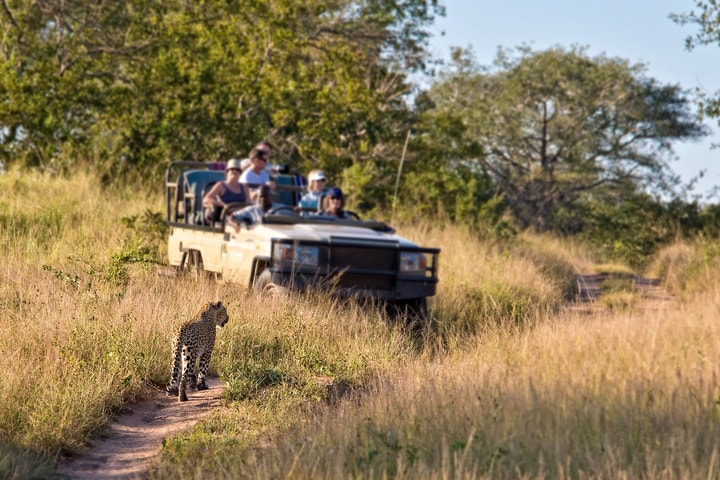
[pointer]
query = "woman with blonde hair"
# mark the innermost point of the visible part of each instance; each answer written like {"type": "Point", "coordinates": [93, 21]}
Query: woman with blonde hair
{"type": "Point", "coordinates": [335, 204]}
{"type": "Point", "coordinates": [310, 202]}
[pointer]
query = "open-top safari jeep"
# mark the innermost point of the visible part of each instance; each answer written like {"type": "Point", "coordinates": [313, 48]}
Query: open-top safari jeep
{"type": "Point", "coordinates": [287, 251]}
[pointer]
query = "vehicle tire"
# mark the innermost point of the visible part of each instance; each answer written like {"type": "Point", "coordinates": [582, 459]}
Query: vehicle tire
{"type": "Point", "coordinates": [412, 313]}
{"type": "Point", "coordinates": [193, 265]}
{"type": "Point", "coordinates": [266, 288]}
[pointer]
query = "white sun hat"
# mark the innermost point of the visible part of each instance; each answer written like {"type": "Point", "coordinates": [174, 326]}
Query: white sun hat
{"type": "Point", "coordinates": [317, 175]}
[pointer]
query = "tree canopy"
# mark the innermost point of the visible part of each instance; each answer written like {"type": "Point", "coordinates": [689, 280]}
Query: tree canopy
{"type": "Point", "coordinates": [556, 128]}
{"type": "Point", "coordinates": [142, 82]}
{"type": "Point", "coordinates": [707, 19]}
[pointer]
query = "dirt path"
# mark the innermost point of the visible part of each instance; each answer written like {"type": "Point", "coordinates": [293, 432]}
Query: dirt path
{"type": "Point", "coordinates": [135, 440]}
{"type": "Point", "coordinates": [651, 294]}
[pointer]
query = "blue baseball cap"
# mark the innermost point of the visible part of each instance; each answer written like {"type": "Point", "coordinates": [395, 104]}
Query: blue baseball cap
{"type": "Point", "coordinates": [335, 192]}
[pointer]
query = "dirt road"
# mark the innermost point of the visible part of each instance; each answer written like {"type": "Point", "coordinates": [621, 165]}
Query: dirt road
{"type": "Point", "coordinates": [135, 440]}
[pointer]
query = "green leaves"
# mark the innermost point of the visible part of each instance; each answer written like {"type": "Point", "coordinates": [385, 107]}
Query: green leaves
{"type": "Point", "coordinates": [557, 128]}
{"type": "Point", "coordinates": [146, 81]}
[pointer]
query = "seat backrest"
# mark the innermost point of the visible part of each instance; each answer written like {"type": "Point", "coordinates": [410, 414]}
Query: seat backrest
{"type": "Point", "coordinates": [195, 183]}
{"type": "Point", "coordinates": [288, 197]}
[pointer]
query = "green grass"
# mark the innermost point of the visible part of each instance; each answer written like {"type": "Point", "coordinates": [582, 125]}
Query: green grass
{"type": "Point", "coordinates": [506, 383]}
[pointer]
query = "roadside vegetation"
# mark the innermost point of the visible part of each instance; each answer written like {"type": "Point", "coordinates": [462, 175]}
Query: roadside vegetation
{"type": "Point", "coordinates": [508, 381]}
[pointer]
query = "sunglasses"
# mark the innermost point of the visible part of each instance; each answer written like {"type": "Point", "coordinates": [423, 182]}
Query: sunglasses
{"type": "Point", "coordinates": [335, 198]}
{"type": "Point", "coordinates": [233, 169]}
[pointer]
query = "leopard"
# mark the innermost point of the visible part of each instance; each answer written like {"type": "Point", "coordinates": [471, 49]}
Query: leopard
{"type": "Point", "coordinates": [195, 339]}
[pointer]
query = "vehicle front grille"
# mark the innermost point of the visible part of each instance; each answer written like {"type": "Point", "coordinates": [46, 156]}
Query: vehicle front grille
{"type": "Point", "coordinates": [353, 258]}
{"type": "Point", "coordinates": [371, 282]}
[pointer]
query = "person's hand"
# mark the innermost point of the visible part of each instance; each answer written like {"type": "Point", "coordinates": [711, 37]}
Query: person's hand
{"type": "Point", "coordinates": [271, 184]}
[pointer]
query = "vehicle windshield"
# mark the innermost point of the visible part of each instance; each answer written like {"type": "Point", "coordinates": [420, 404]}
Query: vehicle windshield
{"type": "Point", "coordinates": [286, 217]}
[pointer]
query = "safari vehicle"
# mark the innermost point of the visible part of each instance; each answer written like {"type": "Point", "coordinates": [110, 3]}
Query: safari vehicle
{"type": "Point", "coordinates": [356, 258]}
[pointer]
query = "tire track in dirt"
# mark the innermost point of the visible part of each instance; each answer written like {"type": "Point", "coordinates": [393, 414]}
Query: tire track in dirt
{"type": "Point", "coordinates": [134, 440]}
{"type": "Point", "coordinates": [589, 289]}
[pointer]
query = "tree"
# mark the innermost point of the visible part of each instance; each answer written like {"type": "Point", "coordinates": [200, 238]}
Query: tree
{"type": "Point", "coordinates": [707, 20]}
{"type": "Point", "coordinates": [557, 128]}
{"type": "Point", "coordinates": [145, 81]}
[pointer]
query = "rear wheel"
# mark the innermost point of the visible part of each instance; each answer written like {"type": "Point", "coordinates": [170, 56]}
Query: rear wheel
{"type": "Point", "coordinates": [265, 286]}
{"type": "Point", "coordinates": [191, 264]}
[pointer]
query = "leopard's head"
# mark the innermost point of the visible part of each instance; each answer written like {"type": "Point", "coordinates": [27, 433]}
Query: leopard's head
{"type": "Point", "coordinates": [221, 316]}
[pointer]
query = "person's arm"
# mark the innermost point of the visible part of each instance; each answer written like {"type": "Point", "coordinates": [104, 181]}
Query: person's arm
{"type": "Point", "coordinates": [246, 216]}
{"type": "Point", "coordinates": [233, 223]}
{"type": "Point", "coordinates": [246, 189]}
{"type": "Point", "coordinates": [212, 198]}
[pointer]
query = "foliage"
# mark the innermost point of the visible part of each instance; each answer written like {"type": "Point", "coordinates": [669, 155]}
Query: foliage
{"type": "Point", "coordinates": [686, 267]}
{"type": "Point", "coordinates": [633, 230]}
{"type": "Point", "coordinates": [16, 462]}
{"type": "Point", "coordinates": [556, 129]}
{"type": "Point", "coordinates": [707, 20]}
{"type": "Point", "coordinates": [140, 82]}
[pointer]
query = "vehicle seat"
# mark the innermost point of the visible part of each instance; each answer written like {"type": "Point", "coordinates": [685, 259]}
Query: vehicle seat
{"type": "Point", "coordinates": [195, 183]}
{"type": "Point", "coordinates": [288, 197]}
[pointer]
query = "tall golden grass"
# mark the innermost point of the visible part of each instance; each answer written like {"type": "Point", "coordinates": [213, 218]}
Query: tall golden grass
{"type": "Point", "coordinates": [507, 382]}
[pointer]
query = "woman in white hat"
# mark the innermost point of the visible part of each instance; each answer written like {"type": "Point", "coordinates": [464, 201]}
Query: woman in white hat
{"type": "Point", "coordinates": [223, 193]}
{"type": "Point", "coordinates": [316, 189]}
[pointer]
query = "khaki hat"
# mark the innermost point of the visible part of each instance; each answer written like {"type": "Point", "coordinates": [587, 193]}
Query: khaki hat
{"type": "Point", "coordinates": [233, 163]}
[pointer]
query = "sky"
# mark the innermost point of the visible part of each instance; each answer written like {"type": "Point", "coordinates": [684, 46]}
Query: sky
{"type": "Point", "coordinates": [639, 31]}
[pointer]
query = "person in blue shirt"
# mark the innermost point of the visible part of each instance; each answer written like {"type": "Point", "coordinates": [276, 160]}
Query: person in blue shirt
{"type": "Point", "coordinates": [316, 189]}
{"type": "Point", "coordinates": [253, 214]}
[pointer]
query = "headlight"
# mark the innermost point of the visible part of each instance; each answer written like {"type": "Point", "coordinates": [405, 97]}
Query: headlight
{"type": "Point", "coordinates": [411, 262]}
{"type": "Point", "coordinates": [299, 256]}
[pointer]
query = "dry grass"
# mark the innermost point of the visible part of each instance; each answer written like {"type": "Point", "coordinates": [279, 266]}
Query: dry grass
{"type": "Point", "coordinates": [506, 384]}
{"type": "Point", "coordinates": [686, 268]}
{"type": "Point", "coordinates": [625, 396]}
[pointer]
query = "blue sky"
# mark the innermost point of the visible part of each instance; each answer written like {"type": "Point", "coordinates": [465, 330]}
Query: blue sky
{"type": "Point", "coordinates": [637, 30]}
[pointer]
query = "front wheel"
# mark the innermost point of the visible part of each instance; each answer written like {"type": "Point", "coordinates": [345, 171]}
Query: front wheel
{"type": "Point", "coordinates": [412, 312]}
